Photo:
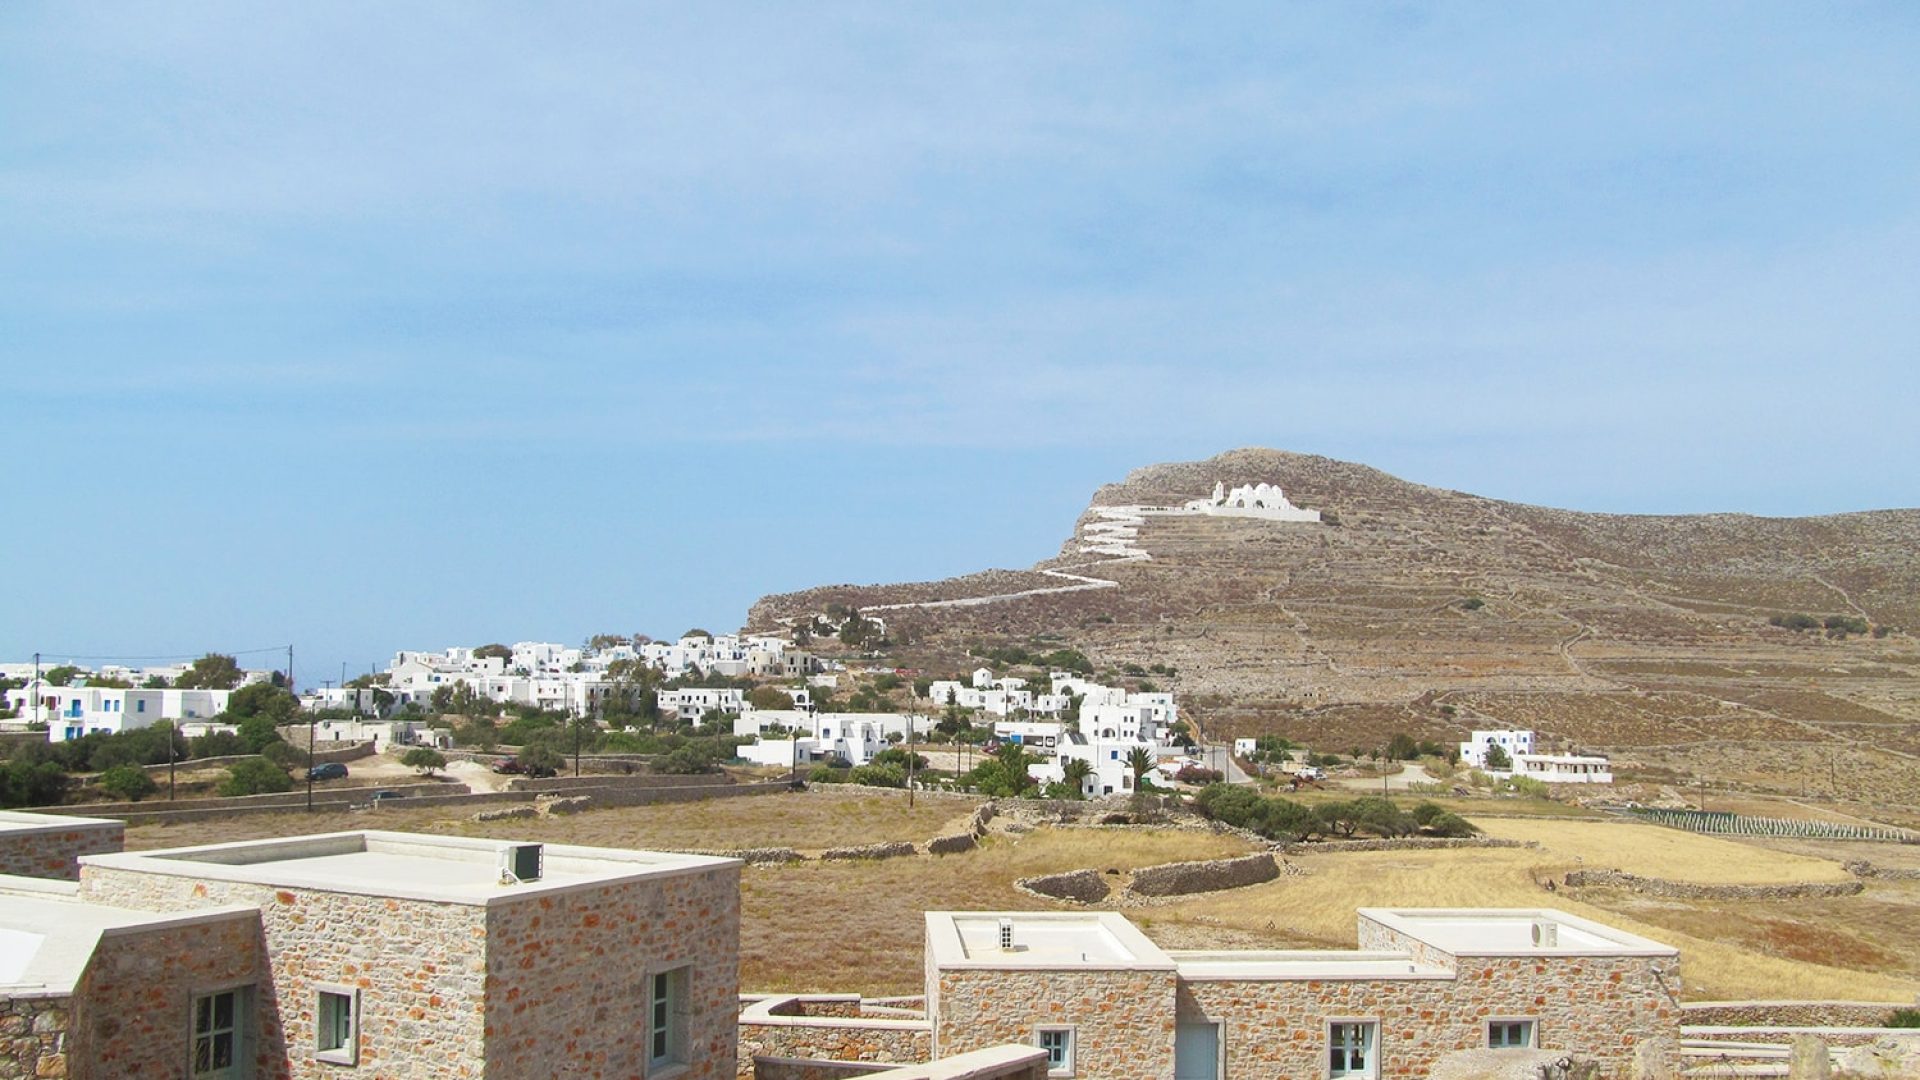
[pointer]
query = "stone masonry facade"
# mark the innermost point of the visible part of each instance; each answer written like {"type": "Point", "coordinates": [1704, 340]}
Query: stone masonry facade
{"type": "Point", "coordinates": [420, 969]}
{"type": "Point", "coordinates": [135, 997]}
{"type": "Point", "coordinates": [1123, 1020]}
{"type": "Point", "coordinates": [550, 999]}
{"type": "Point", "coordinates": [55, 852]}
{"type": "Point", "coordinates": [34, 1037]}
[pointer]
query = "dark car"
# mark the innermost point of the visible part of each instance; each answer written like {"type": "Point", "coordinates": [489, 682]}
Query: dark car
{"type": "Point", "coordinates": [509, 767]}
{"type": "Point", "coordinates": [332, 770]}
{"type": "Point", "coordinates": [383, 795]}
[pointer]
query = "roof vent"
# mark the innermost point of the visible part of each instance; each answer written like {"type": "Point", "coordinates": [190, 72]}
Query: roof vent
{"type": "Point", "coordinates": [1006, 935]}
{"type": "Point", "coordinates": [521, 862]}
{"type": "Point", "coordinates": [1546, 935]}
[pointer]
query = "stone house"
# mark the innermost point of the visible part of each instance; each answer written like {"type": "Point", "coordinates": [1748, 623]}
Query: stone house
{"type": "Point", "coordinates": [1108, 1004]}
{"type": "Point", "coordinates": [50, 845]}
{"type": "Point", "coordinates": [397, 955]}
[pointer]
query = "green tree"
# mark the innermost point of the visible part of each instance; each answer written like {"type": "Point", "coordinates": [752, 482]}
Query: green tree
{"type": "Point", "coordinates": [59, 676]}
{"type": "Point", "coordinates": [494, 651]}
{"type": "Point", "coordinates": [425, 759]}
{"type": "Point", "coordinates": [262, 699]}
{"type": "Point", "coordinates": [213, 671]}
{"type": "Point", "coordinates": [769, 697]}
{"type": "Point", "coordinates": [1077, 770]}
{"type": "Point", "coordinates": [128, 782]}
{"type": "Point", "coordinates": [1140, 763]}
{"type": "Point", "coordinates": [255, 776]}
{"type": "Point", "coordinates": [539, 759]}
{"type": "Point", "coordinates": [1402, 747]}
{"type": "Point", "coordinates": [693, 757]}
{"type": "Point", "coordinates": [257, 732]}
{"type": "Point", "coordinates": [1497, 757]}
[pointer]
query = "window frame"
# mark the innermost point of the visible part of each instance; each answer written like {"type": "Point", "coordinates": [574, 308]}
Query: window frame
{"type": "Point", "coordinates": [349, 1052]}
{"type": "Point", "coordinates": [1371, 1069]}
{"type": "Point", "coordinates": [241, 1031]}
{"type": "Point", "coordinates": [1532, 1031]}
{"type": "Point", "coordinates": [1072, 1047]}
{"type": "Point", "coordinates": [677, 1057]}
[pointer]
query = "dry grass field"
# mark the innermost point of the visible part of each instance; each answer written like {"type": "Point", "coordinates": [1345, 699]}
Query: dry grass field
{"type": "Point", "coordinates": [856, 926]}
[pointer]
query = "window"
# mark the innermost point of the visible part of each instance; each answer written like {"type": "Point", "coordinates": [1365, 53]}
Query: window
{"type": "Point", "coordinates": [667, 1018]}
{"type": "Point", "coordinates": [1058, 1043]}
{"type": "Point", "coordinates": [220, 1033]}
{"type": "Point", "coordinates": [336, 1026]}
{"type": "Point", "coordinates": [1350, 1048]}
{"type": "Point", "coordinates": [1510, 1034]}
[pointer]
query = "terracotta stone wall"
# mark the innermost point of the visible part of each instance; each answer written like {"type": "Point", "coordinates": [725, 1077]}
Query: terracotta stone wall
{"type": "Point", "coordinates": [1597, 1008]}
{"type": "Point", "coordinates": [34, 1033]}
{"type": "Point", "coordinates": [420, 968]}
{"type": "Point", "coordinates": [53, 853]}
{"type": "Point", "coordinates": [1123, 1020]}
{"type": "Point", "coordinates": [134, 1001]}
{"type": "Point", "coordinates": [568, 976]}
{"type": "Point", "coordinates": [885, 1043]}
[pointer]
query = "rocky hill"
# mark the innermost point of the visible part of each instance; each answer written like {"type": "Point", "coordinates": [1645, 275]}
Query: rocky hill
{"type": "Point", "coordinates": [1657, 638]}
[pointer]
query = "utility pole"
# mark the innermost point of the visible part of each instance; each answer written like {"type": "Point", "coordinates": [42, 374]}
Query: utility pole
{"type": "Point", "coordinates": [910, 761]}
{"type": "Point", "coordinates": [39, 698]}
{"type": "Point", "coordinates": [170, 757]}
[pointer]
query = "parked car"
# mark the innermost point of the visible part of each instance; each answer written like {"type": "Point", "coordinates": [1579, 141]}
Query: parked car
{"type": "Point", "coordinates": [509, 767]}
{"type": "Point", "coordinates": [332, 770]}
{"type": "Point", "coordinates": [384, 795]}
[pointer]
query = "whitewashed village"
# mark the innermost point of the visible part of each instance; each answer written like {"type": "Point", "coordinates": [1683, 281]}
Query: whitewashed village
{"type": "Point", "coordinates": [213, 947]}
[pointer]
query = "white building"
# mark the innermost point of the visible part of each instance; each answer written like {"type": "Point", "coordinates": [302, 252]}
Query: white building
{"type": "Point", "coordinates": [73, 711]}
{"type": "Point", "coordinates": [1473, 752]}
{"type": "Point", "coordinates": [1042, 735]}
{"type": "Point", "coordinates": [694, 702]}
{"type": "Point", "coordinates": [1563, 768]}
{"type": "Point", "coordinates": [1262, 500]}
{"type": "Point", "coordinates": [852, 737]}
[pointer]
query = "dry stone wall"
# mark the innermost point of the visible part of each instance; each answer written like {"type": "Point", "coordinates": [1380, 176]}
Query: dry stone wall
{"type": "Point", "coordinates": [892, 849]}
{"type": "Point", "coordinates": [1079, 886]}
{"type": "Point", "coordinates": [1179, 879]}
{"type": "Point", "coordinates": [1870, 1014]}
{"type": "Point", "coordinates": [951, 845]}
{"type": "Point", "coordinates": [1687, 890]}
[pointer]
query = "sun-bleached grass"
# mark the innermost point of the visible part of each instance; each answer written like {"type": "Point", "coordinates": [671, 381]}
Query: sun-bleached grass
{"type": "Point", "coordinates": [1318, 909]}
{"type": "Point", "coordinates": [1654, 851]}
{"type": "Point", "coordinates": [858, 926]}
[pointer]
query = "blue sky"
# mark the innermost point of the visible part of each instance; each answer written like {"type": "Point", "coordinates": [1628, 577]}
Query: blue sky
{"type": "Point", "coordinates": [369, 326]}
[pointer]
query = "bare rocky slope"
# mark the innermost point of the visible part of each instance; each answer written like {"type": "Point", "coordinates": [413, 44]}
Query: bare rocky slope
{"type": "Point", "coordinates": [1432, 611]}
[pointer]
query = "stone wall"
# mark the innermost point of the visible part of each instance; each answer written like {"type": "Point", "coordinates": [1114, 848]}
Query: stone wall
{"type": "Point", "coordinates": [999, 1063]}
{"type": "Point", "coordinates": [829, 1028]}
{"type": "Point", "coordinates": [1079, 886]}
{"type": "Point", "coordinates": [133, 1004]}
{"type": "Point", "coordinates": [1687, 890]}
{"type": "Point", "coordinates": [890, 850]}
{"type": "Point", "coordinates": [1178, 879]}
{"type": "Point", "coordinates": [420, 967]}
{"type": "Point", "coordinates": [1403, 843]}
{"type": "Point", "coordinates": [54, 851]}
{"type": "Point", "coordinates": [1863, 869]}
{"type": "Point", "coordinates": [568, 975]}
{"type": "Point", "coordinates": [1123, 1020]}
{"type": "Point", "coordinates": [1790, 1013]}
{"type": "Point", "coordinates": [34, 1033]}
{"type": "Point", "coordinates": [1597, 1008]}
{"type": "Point", "coordinates": [951, 845]}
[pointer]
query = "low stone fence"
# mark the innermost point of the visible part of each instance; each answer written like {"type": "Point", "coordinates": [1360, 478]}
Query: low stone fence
{"type": "Point", "coordinates": [1010, 1062]}
{"type": "Point", "coordinates": [1404, 843]}
{"type": "Point", "coordinates": [1861, 868]}
{"type": "Point", "coordinates": [1213, 875]}
{"type": "Point", "coordinates": [892, 849]}
{"type": "Point", "coordinates": [53, 850]}
{"type": "Point", "coordinates": [1687, 890]}
{"type": "Point", "coordinates": [1790, 1014]}
{"type": "Point", "coordinates": [951, 845]}
{"type": "Point", "coordinates": [344, 753]}
{"type": "Point", "coordinates": [819, 1028]}
{"type": "Point", "coordinates": [1838, 1036]}
{"type": "Point", "coordinates": [1078, 886]}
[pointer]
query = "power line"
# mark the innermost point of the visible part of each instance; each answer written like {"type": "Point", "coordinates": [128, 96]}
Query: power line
{"type": "Point", "coordinates": [169, 656]}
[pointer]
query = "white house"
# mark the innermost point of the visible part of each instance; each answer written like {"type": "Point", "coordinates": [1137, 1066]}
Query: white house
{"type": "Point", "coordinates": [1043, 735]}
{"type": "Point", "coordinates": [1563, 768]}
{"type": "Point", "coordinates": [694, 702]}
{"type": "Point", "coordinates": [1473, 752]}
{"type": "Point", "coordinates": [72, 711]}
{"type": "Point", "coordinates": [1110, 759]}
{"type": "Point", "coordinates": [1251, 500]}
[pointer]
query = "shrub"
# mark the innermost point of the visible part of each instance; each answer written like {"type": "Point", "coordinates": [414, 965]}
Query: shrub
{"type": "Point", "coordinates": [424, 758]}
{"type": "Point", "coordinates": [826, 774]}
{"type": "Point", "coordinates": [876, 775]}
{"type": "Point", "coordinates": [255, 776]}
{"type": "Point", "coordinates": [687, 760]}
{"type": "Point", "coordinates": [1903, 1018]}
{"type": "Point", "coordinates": [539, 760]}
{"type": "Point", "coordinates": [1198, 774]}
{"type": "Point", "coordinates": [129, 782]}
{"type": "Point", "coordinates": [217, 744]}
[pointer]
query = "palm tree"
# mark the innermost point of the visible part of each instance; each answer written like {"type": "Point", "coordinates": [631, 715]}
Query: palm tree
{"type": "Point", "coordinates": [1140, 760]}
{"type": "Point", "coordinates": [1077, 770]}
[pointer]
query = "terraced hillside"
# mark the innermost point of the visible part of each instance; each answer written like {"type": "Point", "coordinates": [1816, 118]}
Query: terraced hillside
{"type": "Point", "coordinates": [1414, 608]}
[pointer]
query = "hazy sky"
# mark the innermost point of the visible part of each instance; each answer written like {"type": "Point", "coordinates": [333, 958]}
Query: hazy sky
{"type": "Point", "coordinates": [371, 326]}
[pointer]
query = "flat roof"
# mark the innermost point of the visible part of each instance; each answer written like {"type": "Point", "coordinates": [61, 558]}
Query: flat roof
{"type": "Point", "coordinates": [1041, 939]}
{"type": "Point", "coordinates": [1319, 964]}
{"type": "Point", "coordinates": [1510, 932]}
{"type": "Point", "coordinates": [48, 934]}
{"type": "Point", "coordinates": [415, 866]}
{"type": "Point", "coordinates": [15, 821]}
